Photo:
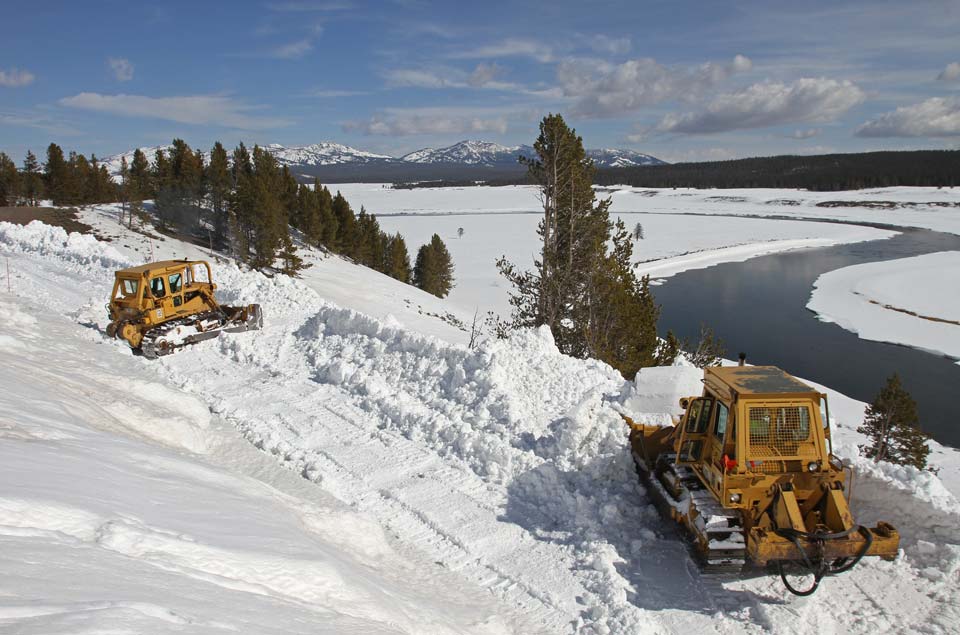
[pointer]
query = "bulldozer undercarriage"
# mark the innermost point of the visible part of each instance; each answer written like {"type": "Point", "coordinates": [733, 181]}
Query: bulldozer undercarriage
{"type": "Point", "coordinates": [174, 335]}
{"type": "Point", "coordinates": [714, 534]}
{"type": "Point", "coordinates": [716, 539]}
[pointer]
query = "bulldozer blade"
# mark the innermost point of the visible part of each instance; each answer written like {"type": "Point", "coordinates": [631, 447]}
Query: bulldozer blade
{"type": "Point", "coordinates": [768, 547]}
{"type": "Point", "coordinates": [248, 318]}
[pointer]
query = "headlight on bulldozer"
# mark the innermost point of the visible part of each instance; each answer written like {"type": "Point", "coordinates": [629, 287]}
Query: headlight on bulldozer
{"type": "Point", "coordinates": [813, 466]}
{"type": "Point", "coordinates": [734, 498]}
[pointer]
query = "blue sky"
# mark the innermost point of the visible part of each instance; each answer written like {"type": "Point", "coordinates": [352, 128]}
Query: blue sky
{"type": "Point", "coordinates": [680, 80]}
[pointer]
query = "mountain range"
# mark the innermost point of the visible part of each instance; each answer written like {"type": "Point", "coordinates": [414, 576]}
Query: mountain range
{"type": "Point", "coordinates": [466, 159]}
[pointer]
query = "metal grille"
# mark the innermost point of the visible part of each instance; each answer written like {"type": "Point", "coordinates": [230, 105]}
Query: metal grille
{"type": "Point", "coordinates": [780, 431]}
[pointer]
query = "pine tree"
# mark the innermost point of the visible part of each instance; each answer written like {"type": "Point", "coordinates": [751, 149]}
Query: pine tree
{"type": "Point", "coordinates": [242, 203]}
{"type": "Point", "coordinates": [892, 427]}
{"type": "Point", "coordinates": [423, 269]}
{"type": "Point", "coordinates": [32, 182]}
{"type": "Point", "coordinates": [328, 221]}
{"type": "Point", "coordinates": [397, 258]}
{"type": "Point", "coordinates": [346, 240]}
{"type": "Point", "coordinates": [583, 286]}
{"type": "Point", "coordinates": [219, 183]}
{"type": "Point", "coordinates": [55, 175]}
{"type": "Point", "coordinates": [124, 188]}
{"type": "Point", "coordinates": [9, 181]}
{"type": "Point", "coordinates": [77, 177]}
{"type": "Point", "coordinates": [140, 175]}
{"type": "Point", "coordinates": [433, 271]}
{"type": "Point", "coordinates": [160, 173]}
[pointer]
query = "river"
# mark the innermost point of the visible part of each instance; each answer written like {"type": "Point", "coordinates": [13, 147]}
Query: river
{"type": "Point", "coordinates": [759, 307]}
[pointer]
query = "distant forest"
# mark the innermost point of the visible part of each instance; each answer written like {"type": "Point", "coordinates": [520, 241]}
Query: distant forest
{"type": "Point", "coordinates": [827, 172]}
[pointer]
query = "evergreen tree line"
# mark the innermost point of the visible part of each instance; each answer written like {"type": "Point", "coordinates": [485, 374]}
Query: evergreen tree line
{"type": "Point", "coordinates": [244, 203]}
{"type": "Point", "coordinates": [74, 180]}
{"type": "Point", "coordinates": [828, 172]}
{"type": "Point", "coordinates": [583, 285]}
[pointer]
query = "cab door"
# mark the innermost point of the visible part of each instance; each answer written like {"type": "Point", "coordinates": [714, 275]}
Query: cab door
{"type": "Point", "coordinates": [715, 450]}
{"type": "Point", "coordinates": [175, 287]}
{"type": "Point", "coordinates": [695, 424]}
{"type": "Point", "coordinates": [163, 308]}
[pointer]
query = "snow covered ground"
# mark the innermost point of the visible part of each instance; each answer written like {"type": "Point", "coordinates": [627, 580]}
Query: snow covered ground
{"type": "Point", "coordinates": [911, 301]}
{"type": "Point", "coordinates": [431, 487]}
{"type": "Point", "coordinates": [931, 208]}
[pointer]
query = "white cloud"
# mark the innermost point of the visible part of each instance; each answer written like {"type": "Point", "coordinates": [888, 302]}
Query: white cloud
{"type": "Point", "coordinates": [122, 68]}
{"type": "Point", "coordinates": [35, 120]}
{"type": "Point", "coordinates": [935, 117]}
{"type": "Point", "coordinates": [609, 45]}
{"type": "Point", "coordinates": [603, 89]}
{"type": "Point", "coordinates": [419, 78]}
{"type": "Point", "coordinates": [768, 104]}
{"type": "Point", "coordinates": [293, 50]}
{"type": "Point", "coordinates": [215, 110]}
{"type": "Point", "coordinates": [419, 121]}
{"type": "Point", "coordinates": [804, 134]}
{"type": "Point", "coordinates": [331, 93]}
{"type": "Point", "coordinates": [951, 73]}
{"type": "Point", "coordinates": [484, 74]}
{"type": "Point", "coordinates": [510, 47]}
{"type": "Point", "coordinates": [14, 78]}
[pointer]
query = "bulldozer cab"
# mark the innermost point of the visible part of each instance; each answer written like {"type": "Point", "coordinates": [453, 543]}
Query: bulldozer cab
{"type": "Point", "coordinates": [164, 290]}
{"type": "Point", "coordinates": [752, 421]}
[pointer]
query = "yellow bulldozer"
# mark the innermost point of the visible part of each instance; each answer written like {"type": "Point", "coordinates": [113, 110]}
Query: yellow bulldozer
{"type": "Point", "coordinates": [161, 307]}
{"type": "Point", "coordinates": [749, 473]}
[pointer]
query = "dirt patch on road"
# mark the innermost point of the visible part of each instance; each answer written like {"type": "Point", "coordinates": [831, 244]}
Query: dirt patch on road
{"type": "Point", "coordinates": [66, 218]}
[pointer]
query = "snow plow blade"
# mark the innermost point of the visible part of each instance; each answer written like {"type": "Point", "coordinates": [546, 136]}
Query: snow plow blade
{"type": "Point", "coordinates": [765, 547]}
{"type": "Point", "coordinates": [241, 319]}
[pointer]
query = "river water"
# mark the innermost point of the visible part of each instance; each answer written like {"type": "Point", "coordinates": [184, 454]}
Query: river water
{"type": "Point", "coordinates": [759, 307]}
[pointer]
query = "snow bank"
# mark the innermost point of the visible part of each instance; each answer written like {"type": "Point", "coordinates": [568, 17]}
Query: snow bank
{"type": "Point", "coordinates": [45, 240]}
{"type": "Point", "coordinates": [163, 539]}
{"type": "Point", "coordinates": [910, 301]}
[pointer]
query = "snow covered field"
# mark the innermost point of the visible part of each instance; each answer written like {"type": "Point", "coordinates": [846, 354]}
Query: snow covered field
{"type": "Point", "coordinates": [672, 243]}
{"type": "Point", "coordinates": [911, 301]}
{"type": "Point", "coordinates": [931, 208]}
{"type": "Point", "coordinates": [431, 488]}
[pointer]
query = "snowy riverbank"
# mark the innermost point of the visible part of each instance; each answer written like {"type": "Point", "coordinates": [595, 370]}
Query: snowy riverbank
{"type": "Point", "coordinates": [910, 301]}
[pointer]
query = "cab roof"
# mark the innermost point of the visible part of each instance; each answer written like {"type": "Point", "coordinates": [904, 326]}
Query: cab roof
{"type": "Point", "coordinates": [749, 381]}
{"type": "Point", "coordinates": [139, 270]}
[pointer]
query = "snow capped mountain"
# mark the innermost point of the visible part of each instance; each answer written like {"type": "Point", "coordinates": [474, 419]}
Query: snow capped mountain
{"type": "Point", "coordinates": [621, 158]}
{"type": "Point", "coordinates": [113, 163]}
{"type": "Point", "coordinates": [470, 153]}
{"type": "Point", "coordinates": [491, 154]}
{"type": "Point", "coordinates": [323, 153]}
{"type": "Point", "coordinates": [481, 154]}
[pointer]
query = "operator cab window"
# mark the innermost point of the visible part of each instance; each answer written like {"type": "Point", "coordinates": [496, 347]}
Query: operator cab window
{"type": "Point", "coordinates": [157, 288]}
{"type": "Point", "coordinates": [128, 288]}
{"type": "Point", "coordinates": [176, 280]}
{"type": "Point", "coordinates": [720, 421]}
{"type": "Point", "coordinates": [699, 416]}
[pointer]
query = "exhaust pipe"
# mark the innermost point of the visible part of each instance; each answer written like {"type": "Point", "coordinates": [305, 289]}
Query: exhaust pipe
{"type": "Point", "coordinates": [743, 359]}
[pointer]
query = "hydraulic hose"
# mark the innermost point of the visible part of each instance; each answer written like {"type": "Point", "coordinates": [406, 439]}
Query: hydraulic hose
{"type": "Point", "coordinates": [821, 568]}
